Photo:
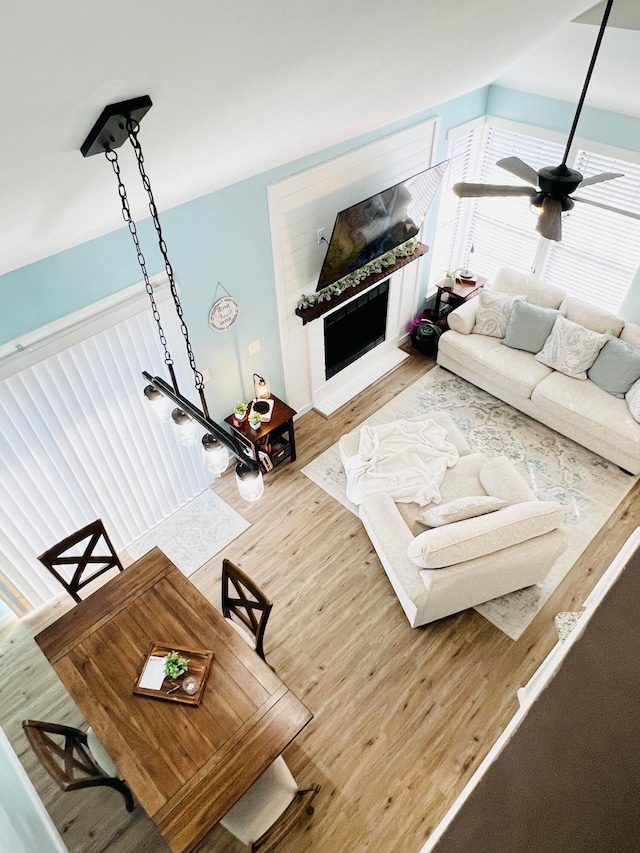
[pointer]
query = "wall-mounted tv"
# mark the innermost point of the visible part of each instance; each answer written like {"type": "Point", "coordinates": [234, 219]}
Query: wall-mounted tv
{"type": "Point", "coordinates": [382, 222]}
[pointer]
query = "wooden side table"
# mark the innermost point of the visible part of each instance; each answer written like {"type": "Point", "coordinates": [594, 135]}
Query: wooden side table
{"type": "Point", "coordinates": [449, 296]}
{"type": "Point", "coordinates": [273, 442]}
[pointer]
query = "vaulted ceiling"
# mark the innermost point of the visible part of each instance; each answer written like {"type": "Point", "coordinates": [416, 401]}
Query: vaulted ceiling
{"type": "Point", "coordinates": [241, 87]}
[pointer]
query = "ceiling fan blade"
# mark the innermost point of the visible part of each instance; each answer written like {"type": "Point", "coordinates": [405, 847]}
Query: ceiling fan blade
{"type": "Point", "coordinates": [464, 190]}
{"type": "Point", "coordinates": [550, 219]}
{"type": "Point", "coordinates": [606, 207]}
{"type": "Point", "coordinates": [519, 168]}
{"type": "Point", "coordinates": [597, 179]}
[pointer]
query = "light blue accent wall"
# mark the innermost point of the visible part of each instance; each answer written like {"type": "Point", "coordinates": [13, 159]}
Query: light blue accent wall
{"type": "Point", "coordinates": [224, 236]}
{"type": "Point", "coordinates": [221, 237]}
{"type": "Point", "coordinates": [598, 125]}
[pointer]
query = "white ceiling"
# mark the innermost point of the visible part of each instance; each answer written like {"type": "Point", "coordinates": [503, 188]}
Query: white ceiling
{"type": "Point", "coordinates": [241, 87]}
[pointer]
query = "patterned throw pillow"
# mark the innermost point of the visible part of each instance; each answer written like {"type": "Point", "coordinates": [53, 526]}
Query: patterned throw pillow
{"type": "Point", "coordinates": [493, 312]}
{"type": "Point", "coordinates": [459, 509]}
{"type": "Point", "coordinates": [570, 348]}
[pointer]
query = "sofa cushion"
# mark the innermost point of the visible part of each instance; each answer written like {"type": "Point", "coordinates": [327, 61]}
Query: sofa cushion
{"type": "Point", "coordinates": [616, 368]}
{"type": "Point", "coordinates": [586, 406]}
{"type": "Point", "coordinates": [591, 317]}
{"type": "Point", "coordinates": [571, 348]}
{"type": "Point", "coordinates": [475, 537]}
{"type": "Point", "coordinates": [630, 334]}
{"type": "Point", "coordinates": [633, 400]}
{"type": "Point", "coordinates": [493, 311]}
{"type": "Point", "coordinates": [536, 291]}
{"type": "Point", "coordinates": [459, 509]}
{"type": "Point", "coordinates": [500, 478]}
{"type": "Point", "coordinates": [516, 371]}
{"type": "Point", "coordinates": [529, 326]}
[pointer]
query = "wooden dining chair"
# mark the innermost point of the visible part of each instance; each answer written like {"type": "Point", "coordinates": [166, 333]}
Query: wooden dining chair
{"type": "Point", "coordinates": [242, 599]}
{"type": "Point", "coordinates": [269, 809]}
{"type": "Point", "coordinates": [65, 754]}
{"type": "Point", "coordinates": [83, 556]}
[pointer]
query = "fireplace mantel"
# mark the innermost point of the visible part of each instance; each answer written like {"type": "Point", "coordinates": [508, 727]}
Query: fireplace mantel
{"type": "Point", "coordinates": [321, 308]}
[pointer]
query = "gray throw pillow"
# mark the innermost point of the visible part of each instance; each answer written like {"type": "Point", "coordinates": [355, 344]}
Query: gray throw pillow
{"type": "Point", "coordinates": [529, 326]}
{"type": "Point", "coordinates": [616, 368]}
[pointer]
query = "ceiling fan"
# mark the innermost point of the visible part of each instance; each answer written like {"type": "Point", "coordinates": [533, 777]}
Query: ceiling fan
{"type": "Point", "coordinates": [552, 186]}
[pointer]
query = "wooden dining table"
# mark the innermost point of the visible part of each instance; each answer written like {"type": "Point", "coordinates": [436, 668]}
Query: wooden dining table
{"type": "Point", "coordinates": [187, 765]}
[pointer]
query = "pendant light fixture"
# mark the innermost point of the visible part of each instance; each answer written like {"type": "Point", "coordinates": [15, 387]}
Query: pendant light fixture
{"type": "Point", "coordinates": [117, 123]}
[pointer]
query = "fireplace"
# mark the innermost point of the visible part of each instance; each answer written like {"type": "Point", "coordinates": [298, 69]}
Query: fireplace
{"type": "Point", "coordinates": [355, 329]}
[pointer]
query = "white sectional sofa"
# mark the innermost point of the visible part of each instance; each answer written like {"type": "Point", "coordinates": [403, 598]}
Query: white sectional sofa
{"type": "Point", "coordinates": [441, 570]}
{"type": "Point", "coordinates": [580, 409]}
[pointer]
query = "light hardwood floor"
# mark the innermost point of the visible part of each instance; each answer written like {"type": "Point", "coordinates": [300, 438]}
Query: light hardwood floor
{"type": "Point", "coordinates": [402, 716]}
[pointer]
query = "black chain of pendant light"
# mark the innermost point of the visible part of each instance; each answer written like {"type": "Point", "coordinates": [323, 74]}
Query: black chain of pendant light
{"type": "Point", "coordinates": [112, 157]}
{"type": "Point", "coordinates": [117, 123]}
{"type": "Point", "coordinates": [132, 130]}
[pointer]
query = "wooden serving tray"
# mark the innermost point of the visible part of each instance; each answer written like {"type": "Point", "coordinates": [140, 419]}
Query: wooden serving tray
{"type": "Point", "coordinates": [199, 665]}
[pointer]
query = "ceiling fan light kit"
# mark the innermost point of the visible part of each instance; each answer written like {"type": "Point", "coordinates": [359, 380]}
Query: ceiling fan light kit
{"type": "Point", "coordinates": [552, 185]}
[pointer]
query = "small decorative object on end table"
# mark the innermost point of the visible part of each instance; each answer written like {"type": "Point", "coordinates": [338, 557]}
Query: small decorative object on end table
{"type": "Point", "coordinates": [263, 408]}
{"type": "Point", "coordinates": [260, 387]}
{"type": "Point", "coordinates": [240, 411]}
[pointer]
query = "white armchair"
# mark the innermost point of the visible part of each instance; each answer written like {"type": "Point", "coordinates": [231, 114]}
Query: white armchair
{"type": "Point", "coordinates": [441, 570]}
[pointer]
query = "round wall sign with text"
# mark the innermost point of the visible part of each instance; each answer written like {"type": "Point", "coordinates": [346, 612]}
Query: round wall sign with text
{"type": "Point", "coordinates": [224, 312]}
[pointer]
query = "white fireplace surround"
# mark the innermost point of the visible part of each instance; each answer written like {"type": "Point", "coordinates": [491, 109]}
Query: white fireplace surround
{"type": "Point", "coordinates": [302, 205]}
{"type": "Point", "coordinates": [329, 394]}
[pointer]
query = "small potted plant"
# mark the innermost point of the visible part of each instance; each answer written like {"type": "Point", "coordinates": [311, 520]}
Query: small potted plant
{"type": "Point", "coordinates": [240, 412]}
{"type": "Point", "coordinates": [255, 420]}
{"type": "Point", "coordinates": [175, 665]}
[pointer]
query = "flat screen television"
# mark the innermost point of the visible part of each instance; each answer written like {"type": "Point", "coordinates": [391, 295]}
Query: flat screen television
{"type": "Point", "coordinates": [370, 228]}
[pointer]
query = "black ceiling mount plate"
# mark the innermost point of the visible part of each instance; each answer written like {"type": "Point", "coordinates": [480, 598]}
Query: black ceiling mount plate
{"type": "Point", "coordinates": [110, 130]}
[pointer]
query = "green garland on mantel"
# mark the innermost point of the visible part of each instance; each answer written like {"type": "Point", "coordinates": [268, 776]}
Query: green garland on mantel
{"type": "Point", "coordinates": [338, 287]}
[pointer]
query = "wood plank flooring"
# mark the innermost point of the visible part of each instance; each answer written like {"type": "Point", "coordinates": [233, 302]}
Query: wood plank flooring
{"type": "Point", "coordinates": [402, 716]}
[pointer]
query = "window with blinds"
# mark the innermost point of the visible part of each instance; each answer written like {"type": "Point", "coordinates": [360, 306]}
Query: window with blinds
{"type": "Point", "coordinates": [454, 232]}
{"type": "Point", "coordinates": [600, 249]}
{"type": "Point", "coordinates": [78, 444]}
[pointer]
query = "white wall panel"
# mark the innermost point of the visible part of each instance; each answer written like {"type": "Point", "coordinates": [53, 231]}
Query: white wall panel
{"type": "Point", "coordinates": [302, 204]}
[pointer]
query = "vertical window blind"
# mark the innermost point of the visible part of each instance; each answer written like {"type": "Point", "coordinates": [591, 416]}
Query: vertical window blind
{"type": "Point", "coordinates": [454, 232]}
{"type": "Point", "coordinates": [600, 249]}
{"type": "Point", "coordinates": [78, 444]}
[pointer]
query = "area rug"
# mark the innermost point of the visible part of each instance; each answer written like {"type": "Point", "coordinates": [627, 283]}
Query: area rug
{"type": "Point", "coordinates": [587, 486]}
{"type": "Point", "coordinates": [194, 534]}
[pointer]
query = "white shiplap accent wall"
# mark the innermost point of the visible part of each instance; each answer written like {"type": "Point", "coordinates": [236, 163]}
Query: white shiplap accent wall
{"type": "Point", "coordinates": [310, 200]}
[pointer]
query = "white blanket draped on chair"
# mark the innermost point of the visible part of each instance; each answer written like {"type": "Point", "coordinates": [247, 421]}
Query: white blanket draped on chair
{"type": "Point", "coordinates": [405, 459]}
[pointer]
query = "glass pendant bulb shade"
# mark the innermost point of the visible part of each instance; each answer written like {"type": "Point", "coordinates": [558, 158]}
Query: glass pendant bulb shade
{"type": "Point", "coordinates": [249, 481]}
{"type": "Point", "coordinates": [214, 455]}
{"type": "Point", "coordinates": [158, 405]}
{"type": "Point", "coordinates": [184, 427]}
{"type": "Point", "coordinates": [260, 388]}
